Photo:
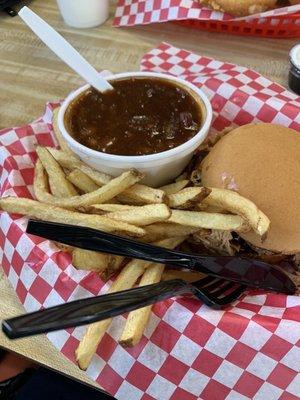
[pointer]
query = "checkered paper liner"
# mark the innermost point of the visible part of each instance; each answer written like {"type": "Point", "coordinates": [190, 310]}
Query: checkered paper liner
{"type": "Point", "coordinates": [188, 351]}
{"type": "Point", "coordinates": [142, 12]}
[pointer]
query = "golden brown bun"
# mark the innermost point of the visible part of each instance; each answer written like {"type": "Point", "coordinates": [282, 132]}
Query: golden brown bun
{"type": "Point", "coordinates": [262, 163]}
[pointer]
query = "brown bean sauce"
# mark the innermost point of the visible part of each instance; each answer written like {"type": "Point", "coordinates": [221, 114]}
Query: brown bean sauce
{"type": "Point", "coordinates": [141, 116]}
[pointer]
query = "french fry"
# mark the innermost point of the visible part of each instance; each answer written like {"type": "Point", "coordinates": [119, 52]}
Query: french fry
{"type": "Point", "coordinates": [231, 201]}
{"type": "Point", "coordinates": [65, 159]}
{"type": "Point", "coordinates": [71, 161]}
{"type": "Point", "coordinates": [207, 208]}
{"type": "Point", "coordinates": [90, 260]}
{"type": "Point", "coordinates": [175, 187]}
{"type": "Point", "coordinates": [142, 216]}
{"type": "Point", "coordinates": [61, 141]}
{"type": "Point", "coordinates": [47, 212]}
{"type": "Point", "coordinates": [89, 343]}
{"type": "Point", "coordinates": [99, 178]}
{"type": "Point", "coordinates": [162, 230]}
{"type": "Point", "coordinates": [187, 276]}
{"type": "Point", "coordinates": [205, 220]}
{"type": "Point", "coordinates": [182, 176]}
{"type": "Point", "coordinates": [137, 320]}
{"type": "Point", "coordinates": [82, 181]}
{"type": "Point", "coordinates": [125, 280]}
{"type": "Point", "coordinates": [187, 197]}
{"type": "Point", "coordinates": [138, 215]}
{"type": "Point", "coordinates": [86, 184]}
{"type": "Point", "coordinates": [107, 208]}
{"type": "Point", "coordinates": [65, 247]}
{"type": "Point", "coordinates": [137, 194]}
{"type": "Point", "coordinates": [115, 263]}
{"type": "Point", "coordinates": [59, 185]}
{"type": "Point", "coordinates": [101, 195]}
{"type": "Point", "coordinates": [141, 194]}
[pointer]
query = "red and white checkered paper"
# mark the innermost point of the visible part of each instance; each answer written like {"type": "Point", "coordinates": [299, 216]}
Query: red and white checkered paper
{"type": "Point", "coordinates": [142, 12]}
{"type": "Point", "coordinates": [188, 351]}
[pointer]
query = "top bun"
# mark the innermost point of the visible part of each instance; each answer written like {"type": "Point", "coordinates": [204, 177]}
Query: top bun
{"type": "Point", "coordinates": [262, 163]}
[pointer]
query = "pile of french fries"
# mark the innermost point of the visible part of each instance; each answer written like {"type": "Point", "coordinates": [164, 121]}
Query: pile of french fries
{"type": "Point", "coordinates": [69, 191]}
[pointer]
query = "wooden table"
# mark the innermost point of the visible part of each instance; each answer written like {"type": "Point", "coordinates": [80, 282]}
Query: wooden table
{"type": "Point", "coordinates": [31, 75]}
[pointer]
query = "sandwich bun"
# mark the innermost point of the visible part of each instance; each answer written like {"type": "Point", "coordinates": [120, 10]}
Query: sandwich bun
{"type": "Point", "coordinates": [262, 163]}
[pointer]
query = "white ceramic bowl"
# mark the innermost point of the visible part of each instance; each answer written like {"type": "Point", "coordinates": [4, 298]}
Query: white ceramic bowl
{"type": "Point", "coordinates": [160, 168]}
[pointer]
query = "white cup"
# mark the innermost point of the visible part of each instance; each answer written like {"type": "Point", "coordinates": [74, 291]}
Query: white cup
{"type": "Point", "coordinates": [160, 168]}
{"type": "Point", "coordinates": [84, 13]}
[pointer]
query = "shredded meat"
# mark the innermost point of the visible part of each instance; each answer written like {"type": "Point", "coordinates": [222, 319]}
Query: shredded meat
{"type": "Point", "coordinates": [269, 256]}
{"type": "Point", "coordinates": [214, 137]}
{"type": "Point", "coordinates": [217, 241]}
{"type": "Point", "coordinates": [227, 243]}
{"type": "Point", "coordinates": [296, 260]}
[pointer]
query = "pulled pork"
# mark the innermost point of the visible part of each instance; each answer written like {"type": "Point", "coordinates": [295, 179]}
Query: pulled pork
{"type": "Point", "coordinates": [230, 244]}
{"type": "Point", "coordinates": [296, 260]}
{"type": "Point", "coordinates": [216, 241]}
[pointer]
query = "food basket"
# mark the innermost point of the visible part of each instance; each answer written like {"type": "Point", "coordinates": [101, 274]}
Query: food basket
{"type": "Point", "coordinates": [281, 22]}
{"type": "Point", "coordinates": [282, 26]}
{"type": "Point", "coordinates": [188, 351]}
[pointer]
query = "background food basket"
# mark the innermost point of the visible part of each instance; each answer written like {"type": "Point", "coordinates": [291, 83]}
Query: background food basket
{"type": "Point", "coordinates": [281, 22]}
{"type": "Point", "coordinates": [281, 26]}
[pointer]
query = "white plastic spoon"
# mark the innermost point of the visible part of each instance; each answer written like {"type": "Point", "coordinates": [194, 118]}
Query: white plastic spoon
{"type": "Point", "coordinates": [64, 50]}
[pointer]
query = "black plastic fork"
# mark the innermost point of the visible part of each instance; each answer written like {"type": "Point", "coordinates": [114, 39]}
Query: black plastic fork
{"type": "Point", "coordinates": [216, 293]}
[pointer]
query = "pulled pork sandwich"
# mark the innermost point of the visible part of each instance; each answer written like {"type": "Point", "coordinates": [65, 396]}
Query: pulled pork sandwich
{"type": "Point", "coordinates": [262, 163]}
